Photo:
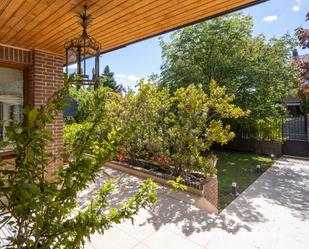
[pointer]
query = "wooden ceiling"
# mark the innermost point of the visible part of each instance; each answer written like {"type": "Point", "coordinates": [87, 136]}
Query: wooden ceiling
{"type": "Point", "coordinates": [48, 24]}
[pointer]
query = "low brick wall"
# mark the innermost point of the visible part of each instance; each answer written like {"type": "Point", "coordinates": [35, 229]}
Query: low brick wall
{"type": "Point", "coordinates": [254, 146]}
{"type": "Point", "coordinates": [208, 190]}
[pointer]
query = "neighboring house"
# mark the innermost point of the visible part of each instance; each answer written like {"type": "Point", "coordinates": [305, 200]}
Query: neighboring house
{"type": "Point", "coordinates": [292, 102]}
{"type": "Point", "coordinates": [293, 105]}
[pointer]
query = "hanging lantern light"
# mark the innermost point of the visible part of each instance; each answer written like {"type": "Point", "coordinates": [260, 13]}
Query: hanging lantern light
{"type": "Point", "coordinates": [81, 48]}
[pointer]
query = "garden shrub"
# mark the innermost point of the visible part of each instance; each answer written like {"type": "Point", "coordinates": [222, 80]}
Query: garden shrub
{"type": "Point", "coordinates": [196, 123]}
{"type": "Point", "coordinates": [43, 210]}
{"type": "Point", "coordinates": [175, 128]}
{"type": "Point", "coordinates": [140, 117]}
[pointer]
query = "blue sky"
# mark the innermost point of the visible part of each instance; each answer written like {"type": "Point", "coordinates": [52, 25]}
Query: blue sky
{"type": "Point", "coordinates": [273, 18]}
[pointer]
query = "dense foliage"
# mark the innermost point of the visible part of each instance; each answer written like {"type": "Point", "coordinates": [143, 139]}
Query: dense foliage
{"type": "Point", "coordinates": [42, 207]}
{"type": "Point", "coordinates": [303, 35]}
{"type": "Point", "coordinates": [303, 70]}
{"type": "Point", "coordinates": [259, 72]}
{"type": "Point", "coordinates": [83, 96]}
{"type": "Point", "coordinates": [108, 80]}
{"type": "Point", "coordinates": [173, 129]}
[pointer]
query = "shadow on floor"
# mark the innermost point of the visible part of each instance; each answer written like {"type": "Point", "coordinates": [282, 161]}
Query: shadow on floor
{"type": "Point", "coordinates": [283, 184]}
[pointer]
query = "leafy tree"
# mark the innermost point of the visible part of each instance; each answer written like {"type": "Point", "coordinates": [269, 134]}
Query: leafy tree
{"type": "Point", "coordinates": [257, 71]}
{"type": "Point", "coordinates": [196, 123]}
{"type": "Point", "coordinates": [303, 35]}
{"type": "Point", "coordinates": [43, 209]}
{"type": "Point", "coordinates": [174, 129]}
{"type": "Point", "coordinates": [86, 99]}
{"type": "Point", "coordinates": [140, 118]}
{"type": "Point", "coordinates": [84, 96]}
{"type": "Point", "coordinates": [303, 69]}
{"type": "Point", "coordinates": [304, 103]}
{"type": "Point", "coordinates": [108, 80]}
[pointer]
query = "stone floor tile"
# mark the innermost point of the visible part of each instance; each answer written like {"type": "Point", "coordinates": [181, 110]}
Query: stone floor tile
{"type": "Point", "coordinates": [113, 239]}
{"type": "Point", "coordinates": [169, 240]}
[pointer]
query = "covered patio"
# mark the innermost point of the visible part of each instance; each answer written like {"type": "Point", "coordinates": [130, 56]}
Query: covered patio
{"type": "Point", "coordinates": [32, 60]}
{"type": "Point", "coordinates": [33, 34]}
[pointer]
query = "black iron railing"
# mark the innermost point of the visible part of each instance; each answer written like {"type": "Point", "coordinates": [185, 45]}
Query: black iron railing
{"type": "Point", "coordinates": [296, 128]}
{"type": "Point", "coordinates": [269, 130]}
{"type": "Point", "coordinates": [293, 128]}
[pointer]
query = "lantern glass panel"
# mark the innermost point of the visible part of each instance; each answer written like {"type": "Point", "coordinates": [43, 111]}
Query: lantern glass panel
{"type": "Point", "coordinates": [79, 50]}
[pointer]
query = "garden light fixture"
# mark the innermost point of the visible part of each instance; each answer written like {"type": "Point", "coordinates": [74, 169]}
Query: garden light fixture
{"type": "Point", "coordinates": [81, 48]}
{"type": "Point", "coordinates": [258, 168]}
{"type": "Point", "coordinates": [234, 189]}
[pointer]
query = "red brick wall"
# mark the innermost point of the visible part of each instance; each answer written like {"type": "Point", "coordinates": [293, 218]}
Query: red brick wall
{"type": "Point", "coordinates": [15, 55]}
{"type": "Point", "coordinates": [210, 190]}
{"type": "Point", "coordinates": [45, 76]}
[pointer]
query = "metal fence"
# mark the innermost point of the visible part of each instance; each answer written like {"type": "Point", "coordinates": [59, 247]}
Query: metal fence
{"type": "Point", "coordinates": [296, 128]}
{"type": "Point", "coordinates": [267, 130]}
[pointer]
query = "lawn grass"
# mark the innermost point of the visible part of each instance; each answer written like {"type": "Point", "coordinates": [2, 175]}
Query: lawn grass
{"type": "Point", "coordinates": [237, 167]}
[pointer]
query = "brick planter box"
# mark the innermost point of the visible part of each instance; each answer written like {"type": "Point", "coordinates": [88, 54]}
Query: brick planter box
{"type": "Point", "coordinates": [208, 189]}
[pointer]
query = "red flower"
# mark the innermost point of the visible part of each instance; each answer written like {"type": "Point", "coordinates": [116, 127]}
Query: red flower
{"type": "Point", "coordinates": [121, 158]}
{"type": "Point", "coordinates": [161, 159]}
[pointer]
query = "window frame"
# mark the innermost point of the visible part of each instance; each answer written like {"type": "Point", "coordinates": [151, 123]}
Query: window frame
{"type": "Point", "coordinates": [25, 68]}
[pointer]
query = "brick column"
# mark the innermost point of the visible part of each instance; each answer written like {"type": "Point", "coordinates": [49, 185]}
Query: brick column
{"type": "Point", "coordinates": [210, 190]}
{"type": "Point", "coordinates": [46, 76]}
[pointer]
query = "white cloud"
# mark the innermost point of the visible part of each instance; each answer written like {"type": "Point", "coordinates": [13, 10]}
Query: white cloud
{"type": "Point", "coordinates": [128, 81]}
{"type": "Point", "coordinates": [133, 77]}
{"type": "Point", "coordinates": [296, 8]}
{"type": "Point", "coordinates": [270, 18]}
{"type": "Point", "coordinates": [72, 66]}
{"type": "Point", "coordinates": [120, 76]}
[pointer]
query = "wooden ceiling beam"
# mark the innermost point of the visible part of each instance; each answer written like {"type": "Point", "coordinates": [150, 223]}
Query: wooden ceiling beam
{"type": "Point", "coordinates": [64, 24]}
{"type": "Point", "coordinates": [72, 29]}
{"type": "Point", "coordinates": [9, 10]}
{"type": "Point", "coordinates": [159, 22]}
{"type": "Point", "coordinates": [48, 24]}
{"type": "Point", "coordinates": [102, 23]}
{"type": "Point", "coordinates": [154, 30]}
{"type": "Point", "coordinates": [41, 19]}
{"type": "Point", "coordinates": [154, 16]}
{"type": "Point", "coordinates": [10, 23]}
{"type": "Point", "coordinates": [158, 19]}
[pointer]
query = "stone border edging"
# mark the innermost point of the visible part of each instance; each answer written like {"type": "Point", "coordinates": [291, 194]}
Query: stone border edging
{"type": "Point", "coordinates": [208, 190]}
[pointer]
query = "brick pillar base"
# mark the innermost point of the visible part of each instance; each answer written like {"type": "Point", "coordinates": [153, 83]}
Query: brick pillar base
{"type": "Point", "coordinates": [210, 190]}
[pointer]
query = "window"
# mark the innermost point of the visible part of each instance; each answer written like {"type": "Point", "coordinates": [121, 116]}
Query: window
{"type": "Point", "coordinates": [11, 98]}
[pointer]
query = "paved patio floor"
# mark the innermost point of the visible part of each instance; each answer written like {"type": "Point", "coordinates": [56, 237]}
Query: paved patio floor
{"type": "Point", "coordinates": [273, 213]}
